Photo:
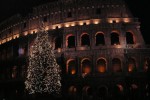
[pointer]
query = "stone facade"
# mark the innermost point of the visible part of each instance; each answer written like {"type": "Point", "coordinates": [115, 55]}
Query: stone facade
{"type": "Point", "coordinates": [98, 44]}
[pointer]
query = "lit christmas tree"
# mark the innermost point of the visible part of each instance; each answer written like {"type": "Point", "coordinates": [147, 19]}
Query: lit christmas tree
{"type": "Point", "coordinates": [43, 73]}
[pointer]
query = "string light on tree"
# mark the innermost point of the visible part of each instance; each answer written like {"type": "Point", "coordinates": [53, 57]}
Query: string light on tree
{"type": "Point", "coordinates": [43, 73]}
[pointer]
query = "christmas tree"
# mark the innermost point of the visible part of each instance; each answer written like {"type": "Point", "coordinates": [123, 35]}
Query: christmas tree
{"type": "Point", "coordinates": [43, 73]}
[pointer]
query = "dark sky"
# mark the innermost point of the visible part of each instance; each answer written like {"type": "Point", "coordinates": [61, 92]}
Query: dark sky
{"type": "Point", "coordinates": [139, 8]}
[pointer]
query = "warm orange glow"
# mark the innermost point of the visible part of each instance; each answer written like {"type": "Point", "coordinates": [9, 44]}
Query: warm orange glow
{"type": "Point", "coordinates": [130, 67]}
{"type": "Point", "coordinates": [87, 22]}
{"type": "Point", "coordinates": [67, 25]}
{"type": "Point", "coordinates": [59, 50]}
{"type": "Point", "coordinates": [111, 20]}
{"type": "Point", "coordinates": [101, 69]}
{"type": "Point", "coordinates": [47, 28]}
{"type": "Point", "coordinates": [73, 71]}
{"type": "Point", "coordinates": [25, 33]}
{"type": "Point", "coordinates": [16, 36]}
{"type": "Point", "coordinates": [86, 69]}
{"type": "Point", "coordinates": [53, 27]}
{"type": "Point", "coordinates": [96, 21]}
{"type": "Point", "coordinates": [9, 39]}
{"type": "Point", "coordinates": [68, 61]}
{"type": "Point", "coordinates": [126, 20]}
{"type": "Point", "coordinates": [72, 24]}
{"type": "Point", "coordinates": [81, 23]}
{"type": "Point", "coordinates": [3, 41]}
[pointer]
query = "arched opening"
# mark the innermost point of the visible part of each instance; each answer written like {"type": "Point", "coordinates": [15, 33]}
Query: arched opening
{"type": "Point", "coordinates": [102, 93]}
{"type": "Point", "coordinates": [120, 87]}
{"type": "Point", "coordinates": [86, 66]}
{"type": "Point", "coordinates": [70, 41]}
{"type": "Point", "coordinates": [134, 90]}
{"type": "Point", "coordinates": [129, 38]}
{"type": "Point", "coordinates": [131, 65]}
{"type": "Point", "coordinates": [87, 93]}
{"type": "Point", "coordinates": [117, 92]}
{"type": "Point", "coordinates": [72, 91]}
{"type": "Point", "coordinates": [146, 64]}
{"type": "Point", "coordinates": [85, 40]}
{"type": "Point", "coordinates": [71, 66]}
{"type": "Point", "coordinates": [58, 42]}
{"type": "Point", "coordinates": [99, 39]}
{"type": "Point", "coordinates": [115, 38]}
{"type": "Point", "coordinates": [116, 65]}
{"type": "Point", "coordinates": [101, 65]}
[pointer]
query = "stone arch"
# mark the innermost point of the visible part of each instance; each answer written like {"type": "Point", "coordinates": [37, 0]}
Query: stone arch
{"type": "Point", "coordinates": [116, 65]}
{"type": "Point", "coordinates": [131, 65]}
{"type": "Point", "coordinates": [99, 38]}
{"type": "Point", "coordinates": [120, 87]}
{"type": "Point", "coordinates": [102, 92]}
{"type": "Point", "coordinates": [85, 39]}
{"type": "Point", "coordinates": [70, 41]}
{"type": "Point", "coordinates": [134, 90]}
{"type": "Point", "coordinates": [130, 37]}
{"type": "Point", "coordinates": [117, 91]}
{"type": "Point", "coordinates": [115, 38]}
{"type": "Point", "coordinates": [87, 90]}
{"type": "Point", "coordinates": [86, 66]}
{"type": "Point", "coordinates": [101, 65]}
{"type": "Point", "coordinates": [71, 67]}
{"type": "Point", "coordinates": [72, 90]}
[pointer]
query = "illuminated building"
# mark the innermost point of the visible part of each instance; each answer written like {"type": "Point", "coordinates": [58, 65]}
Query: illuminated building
{"type": "Point", "coordinates": [98, 44]}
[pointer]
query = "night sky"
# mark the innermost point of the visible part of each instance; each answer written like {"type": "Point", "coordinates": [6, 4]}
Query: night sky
{"type": "Point", "coordinates": [139, 8]}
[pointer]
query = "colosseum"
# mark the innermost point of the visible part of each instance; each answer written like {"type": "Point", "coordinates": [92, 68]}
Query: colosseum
{"type": "Point", "coordinates": [97, 43]}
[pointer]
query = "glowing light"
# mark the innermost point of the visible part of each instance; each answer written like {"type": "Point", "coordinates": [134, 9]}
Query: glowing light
{"type": "Point", "coordinates": [86, 69]}
{"type": "Point", "coordinates": [126, 20]}
{"type": "Point", "coordinates": [67, 25]}
{"type": "Point", "coordinates": [73, 71]}
{"type": "Point", "coordinates": [101, 69]}
{"type": "Point", "coordinates": [59, 50]}
{"type": "Point", "coordinates": [118, 46]}
{"type": "Point", "coordinates": [130, 67]}
{"type": "Point", "coordinates": [87, 22]}
{"type": "Point", "coordinates": [81, 23]}
{"type": "Point", "coordinates": [25, 33]}
{"type": "Point", "coordinates": [43, 73]}
{"type": "Point", "coordinates": [113, 20]}
{"type": "Point", "coordinates": [9, 39]}
{"type": "Point", "coordinates": [96, 21]}
{"type": "Point", "coordinates": [72, 24]}
{"type": "Point", "coordinates": [47, 28]}
{"type": "Point", "coordinates": [59, 26]}
{"type": "Point", "coordinates": [53, 27]}
{"type": "Point", "coordinates": [16, 36]}
{"type": "Point", "coordinates": [3, 41]}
